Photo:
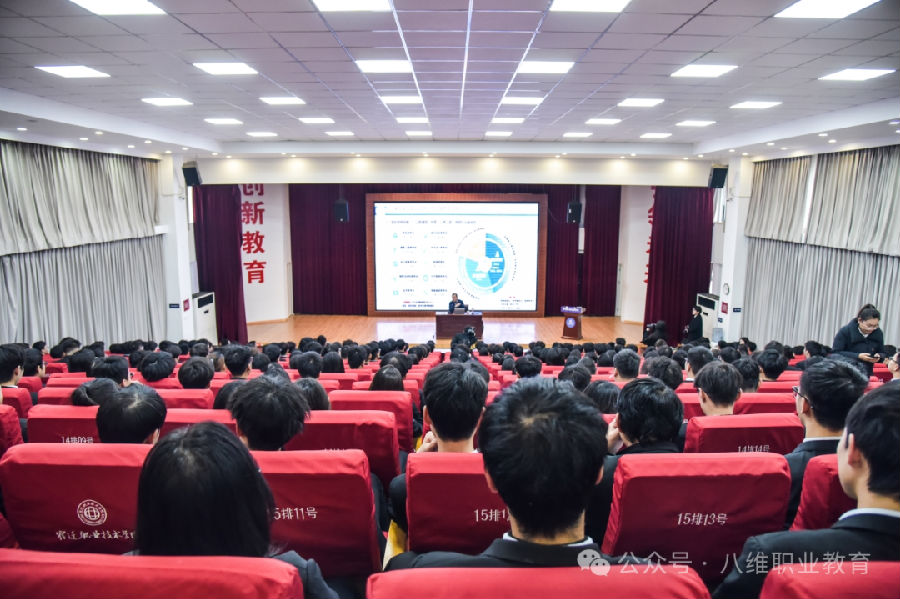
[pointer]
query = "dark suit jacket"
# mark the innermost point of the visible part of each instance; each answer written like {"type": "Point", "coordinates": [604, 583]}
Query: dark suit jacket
{"type": "Point", "coordinates": [872, 534]}
{"type": "Point", "coordinates": [505, 553]}
{"type": "Point", "coordinates": [797, 461]}
{"type": "Point", "coordinates": [397, 492]}
{"type": "Point", "coordinates": [694, 329]}
{"type": "Point", "coordinates": [600, 503]}
{"type": "Point", "coordinates": [849, 342]}
{"type": "Point", "coordinates": [314, 586]}
{"type": "Point", "coordinates": [453, 305]}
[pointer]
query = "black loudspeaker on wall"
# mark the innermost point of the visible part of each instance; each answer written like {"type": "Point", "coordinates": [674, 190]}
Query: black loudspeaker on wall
{"type": "Point", "coordinates": [573, 212]}
{"type": "Point", "coordinates": [191, 174]}
{"type": "Point", "coordinates": [717, 175]}
{"type": "Point", "coordinates": [342, 211]}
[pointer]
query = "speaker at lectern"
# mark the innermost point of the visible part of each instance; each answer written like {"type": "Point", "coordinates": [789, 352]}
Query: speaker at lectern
{"type": "Point", "coordinates": [572, 321]}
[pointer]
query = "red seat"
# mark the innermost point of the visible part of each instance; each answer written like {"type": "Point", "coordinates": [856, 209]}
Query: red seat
{"type": "Point", "coordinates": [54, 367]}
{"type": "Point", "coordinates": [372, 431]}
{"type": "Point", "coordinates": [216, 385]}
{"type": "Point", "coordinates": [398, 402]}
{"type": "Point", "coordinates": [713, 502]}
{"type": "Point", "coordinates": [776, 433]}
{"type": "Point", "coordinates": [346, 379]}
{"type": "Point", "coordinates": [766, 403]}
{"type": "Point", "coordinates": [7, 538]}
{"type": "Point", "coordinates": [636, 582]}
{"type": "Point", "coordinates": [449, 504]}
{"type": "Point", "coordinates": [38, 574]}
{"type": "Point", "coordinates": [166, 383]}
{"type": "Point", "coordinates": [822, 500]}
{"type": "Point", "coordinates": [776, 386]}
{"type": "Point", "coordinates": [55, 395]}
{"type": "Point", "coordinates": [10, 429]}
{"type": "Point", "coordinates": [508, 379]}
{"type": "Point", "coordinates": [181, 417]}
{"type": "Point", "coordinates": [324, 508]}
{"type": "Point", "coordinates": [224, 374]}
{"type": "Point", "coordinates": [187, 398]}
{"type": "Point", "coordinates": [67, 374]}
{"type": "Point", "coordinates": [330, 386]}
{"type": "Point", "coordinates": [19, 398]}
{"type": "Point", "coordinates": [854, 580]}
{"type": "Point", "coordinates": [32, 383]}
{"type": "Point", "coordinates": [80, 497]}
{"type": "Point", "coordinates": [67, 381]}
{"type": "Point", "coordinates": [691, 403]}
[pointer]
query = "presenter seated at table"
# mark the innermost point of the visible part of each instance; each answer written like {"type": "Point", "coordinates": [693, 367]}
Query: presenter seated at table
{"type": "Point", "coordinates": [455, 304]}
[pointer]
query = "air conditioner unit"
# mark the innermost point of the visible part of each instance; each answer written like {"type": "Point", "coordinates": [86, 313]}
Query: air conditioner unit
{"type": "Point", "coordinates": [709, 311]}
{"type": "Point", "coordinates": [205, 316]}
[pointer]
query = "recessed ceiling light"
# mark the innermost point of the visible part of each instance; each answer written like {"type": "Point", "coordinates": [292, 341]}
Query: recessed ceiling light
{"type": "Point", "coordinates": [522, 100]}
{"type": "Point", "coordinates": [546, 67]}
{"type": "Point", "coordinates": [856, 74]}
{"type": "Point", "coordinates": [385, 66]}
{"type": "Point", "coordinates": [694, 123]}
{"type": "Point", "coordinates": [823, 135]}
{"type": "Point", "coordinates": [215, 153]}
{"type": "Point", "coordinates": [641, 102]}
{"type": "Point", "coordinates": [316, 120]}
{"type": "Point", "coordinates": [168, 151]}
{"type": "Point", "coordinates": [771, 143]}
{"type": "Point", "coordinates": [183, 149]}
{"type": "Point", "coordinates": [755, 104]}
{"type": "Point", "coordinates": [98, 132]}
{"type": "Point", "coordinates": [621, 158]}
{"type": "Point", "coordinates": [82, 139]}
{"type": "Point", "coordinates": [228, 156]}
{"type": "Point", "coordinates": [166, 101]}
{"type": "Point", "coordinates": [633, 154]}
{"type": "Point", "coordinates": [655, 135]}
{"type": "Point", "coordinates": [293, 155]}
{"type": "Point", "coordinates": [897, 131]}
{"type": "Point", "coordinates": [401, 99]}
{"type": "Point", "coordinates": [731, 150]}
{"type": "Point", "coordinates": [21, 128]}
{"type": "Point", "coordinates": [699, 155]}
{"type": "Point", "coordinates": [703, 70]}
{"type": "Point", "coordinates": [131, 146]}
{"type": "Point", "coordinates": [894, 123]}
{"type": "Point", "coordinates": [497, 133]}
{"type": "Point", "coordinates": [358, 155]}
{"type": "Point", "coordinates": [602, 121]}
{"type": "Point", "coordinates": [507, 120]}
{"type": "Point", "coordinates": [339, 133]}
{"type": "Point", "coordinates": [262, 134]}
{"type": "Point", "coordinates": [743, 153]}
{"type": "Point", "coordinates": [557, 156]}
{"type": "Point", "coordinates": [418, 133]}
{"type": "Point", "coordinates": [226, 68]}
{"type": "Point", "coordinates": [425, 154]}
{"type": "Point", "coordinates": [147, 141]}
{"type": "Point", "coordinates": [832, 141]}
{"type": "Point", "coordinates": [352, 5]}
{"type": "Point", "coordinates": [823, 9]}
{"type": "Point", "coordinates": [74, 72]}
{"type": "Point", "coordinates": [589, 5]}
{"type": "Point", "coordinates": [120, 7]}
{"type": "Point", "coordinates": [579, 134]}
{"type": "Point", "coordinates": [412, 120]}
{"type": "Point", "coordinates": [282, 100]}
{"type": "Point", "coordinates": [223, 121]}
{"type": "Point", "coordinates": [783, 148]}
{"type": "Point", "coordinates": [684, 157]}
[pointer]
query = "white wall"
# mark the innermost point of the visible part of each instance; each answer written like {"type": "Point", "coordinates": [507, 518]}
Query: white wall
{"type": "Point", "coordinates": [634, 241]}
{"type": "Point", "coordinates": [734, 255]}
{"type": "Point", "coordinates": [269, 299]}
{"type": "Point", "coordinates": [173, 223]}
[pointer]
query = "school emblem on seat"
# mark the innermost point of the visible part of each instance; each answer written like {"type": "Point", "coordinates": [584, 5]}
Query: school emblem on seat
{"type": "Point", "coordinates": [91, 512]}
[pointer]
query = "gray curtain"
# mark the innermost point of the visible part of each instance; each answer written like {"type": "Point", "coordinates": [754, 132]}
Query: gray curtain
{"type": "Point", "coordinates": [109, 291]}
{"type": "Point", "coordinates": [797, 292]}
{"type": "Point", "coordinates": [856, 201]}
{"type": "Point", "coordinates": [57, 197]}
{"type": "Point", "coordinates": [777, 200]}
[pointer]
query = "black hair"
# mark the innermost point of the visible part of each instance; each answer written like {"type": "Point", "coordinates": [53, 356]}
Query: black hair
{"type": "Point", "coordinates": [273, 351]}
{"type": "Point", "coordinates": [308, 364]}
{"type": "Point", "coordinates": [39, 345]}
{"type": "Point", "coordinates": [387, 378]}
{"type": "Point", "coordinates": [698, 357]}
{"type": "Point", "coordinates": [399, 361]}
{"type": "Point", "coordinates": [479, 369]}
{"type": "Point", "coordinates": [156, 366]}
{"type": "Point", "coordinates": [112, 367]}
{"type": "Point", "coordinates": [868, 312]}
{"type": "Point", "coordinates": [237, 359]}
{"type": "Point", "coordinates": [543, 447]}
{"type": "Point", "coordinates": [667, 371]}
{"type": "Point", "coordinates": [814, 348]}
{"type": "Point", "coordinates": [136, 357]}
{"type": "Point", "coordinates": [627, 363]}
{"type": "Point", "coordinates": [315, 394]}
{"type": "Point", "coordinates": [332, 362]}
{"type": "Point", "coordinates": [454, 395]}
{"type": "Point", "coordinates": [81, 361]}
{"type": "Point", "coordinates": [94, 393]}
{"type": "Point", "coordinates": [721, 382]}
{"type": "Point", "coordinates": [528, 366]}
{"type": "Point", "coordinates": [131, 416]}
{"type": "Point", "coordinates": [579, 376]}
{"type": "Point", "coordinates": [749, 374]}
{"type": "Point", "coordinates": [588, 363]}
{"type": "Point", "coordinates": [195, 373]}
{"type": "Point", "coordinates": [200, 350]}
{"type": "Point", "coordinates": [874, 422]}
{"type": "Point", "coordinates": [832, 387]}
{"type": "Point", "coordinates": [32, 360]}
{"type": "Point", "coordinates": [729, 354]}
{"type": "Point", "coordinates": [508, 364]}
{"type": "Point", "coordinates": [649, 411]}
{"type": "Point", "coordinates": [226, 394]}
{"type": "Point", "coordinates": [260, 361]}
{"type": "Point", "coordinates": [772, 362]}
{"type": "Point", "coordinates": [170, 347]}
{"type": "Point", "coordinates": [201, 493]}
{"type": "Point", "coordinates": [604, 395]}
{"type": "Point", "coordinates": [356, 356]}
{"type": "Point", "coordinates": [269, 413]}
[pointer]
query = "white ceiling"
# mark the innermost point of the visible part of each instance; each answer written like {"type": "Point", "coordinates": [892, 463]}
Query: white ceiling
{"type": "Point", "coordinates": [464, 54]}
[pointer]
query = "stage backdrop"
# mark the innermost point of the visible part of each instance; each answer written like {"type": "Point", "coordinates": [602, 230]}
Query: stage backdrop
{"type": "Point", "coordinates": [265, 242]}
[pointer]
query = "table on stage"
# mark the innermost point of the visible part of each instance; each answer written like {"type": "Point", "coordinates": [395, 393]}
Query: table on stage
{"type": "Point", "coordinates": [448, 325]}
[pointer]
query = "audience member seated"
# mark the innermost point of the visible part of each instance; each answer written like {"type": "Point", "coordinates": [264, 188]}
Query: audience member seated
{"type": "Point", "coordinates": [11, 362]}
{"type": "Point", "coordinates": [114, 368]}
{"type": "Point", "coordinates": [771, 364]}
{"type": "Point", "coordinates": [387, 378]}
{"type": "Point", "coordinates": [626, 363]}
{"type": "Point", "coordinates": [541, 454]}
{"type": "Point", "coordinates": [156, 367]}
{"type": "Point", "coordinates": [94, 393]}
{"type": "Point", "coordinates": [893, 364]}
{"type": "Point", "coordinates": [868, 461]}
{"type": "Point", "coordinates": [260, 362]}
{"type": "Point", "coordinates": [356, 357]}
{"type": "Point", "coordinates": [332, 362]}
{"type": "Point", "coordinates": [719, 386]}
{"type": "Point", "coordinates": [81, 361]}
{"type": "Point", "coordinates": [697, 358]}
{"type": "Point", "coordinates": [268, 412]}
{"type": "Point", "coordinates": [316, 396]}
{"type": "Point", "coordinates": [308, 364]}
{"type": "Point", "coordinates": [749, 372]}
{"type": "Point", "coordinates": [528, 367]}
{"type": "Point", "coordinates": [825, 395]}
{"type": "Point", "coordinates": [199, 350]}
{"type": "Point", "coordinates": [604, 396]}
{"type": "Point", "coordinates": [579, 376]}
{"type": "Point", "coordinates": [238, 360]}
{"type": "Point", "coordinates": [648, 420]}
{"type": "Point", "coordinates": [33, 362]}
{"type": "Point", "coordinates": [666, 370]}
{"type": "Point", "coordinates": [134, 415]}
{"type": "Point", "coordinates": [226, 394]}
{"type": "Point", "coordinates": [218, 361]}
{"type": "Point", "coordinates": [201, 493]}
{"type": "Point", "coordinates": [195, 373]}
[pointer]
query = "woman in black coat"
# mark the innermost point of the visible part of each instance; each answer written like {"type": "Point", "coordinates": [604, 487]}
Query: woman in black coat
{"type": "Point", "coordinates": [860, 339]}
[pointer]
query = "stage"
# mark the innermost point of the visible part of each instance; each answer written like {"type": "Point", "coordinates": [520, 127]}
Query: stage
{"type": "Point", "coordinates": [419, 329]}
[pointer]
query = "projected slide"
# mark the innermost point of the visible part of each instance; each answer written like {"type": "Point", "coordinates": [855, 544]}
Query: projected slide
{"type": "Point", "coordinates": [485, 252]}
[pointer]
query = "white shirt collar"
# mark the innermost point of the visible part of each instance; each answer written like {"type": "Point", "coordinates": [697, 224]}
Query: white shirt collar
{"type": "Point", "coordinates": [586, 541]}
{"type": "Point", "coordinates": [880, 511]}
{"type": "Point", "coordinates": [805, 439]}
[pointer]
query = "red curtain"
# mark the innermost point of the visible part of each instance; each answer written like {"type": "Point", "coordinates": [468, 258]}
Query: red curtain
{"type": "Point", "coordinates": [217, 238]}
{"type": "Point", "coordinates": [601, 249]}
{"type": "Point", "coordinates": [562, 250]}
{"type": "Point", "coordinates": [680, 251]}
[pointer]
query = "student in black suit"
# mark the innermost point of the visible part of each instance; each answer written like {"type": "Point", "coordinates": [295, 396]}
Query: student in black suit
{"type": "Point", "coordinates": [868, 461]}
{"type": "Point", "coordinates": [694, 329]}
{"type": "Point", "coordinates": [825, 395]}
{"type": "Point", "coordinates": [539, 441]}
{"type": "Point", "coordinates": [861, 339]}
{"type": "Point", "coordinates": [455, 303]}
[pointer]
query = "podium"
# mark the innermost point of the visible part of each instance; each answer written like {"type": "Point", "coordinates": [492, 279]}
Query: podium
{"type": "Point", "coordinates": [448, 325]}
{"type": "Point", "coordinates": [572, 321]}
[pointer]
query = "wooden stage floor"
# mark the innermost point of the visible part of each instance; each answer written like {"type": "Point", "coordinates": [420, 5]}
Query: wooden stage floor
{"type": "Point", "coordinates": [419, 329]}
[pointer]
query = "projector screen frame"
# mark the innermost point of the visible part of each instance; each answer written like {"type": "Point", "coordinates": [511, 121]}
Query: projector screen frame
{"type": "Point", "coordinates": [506, 198]}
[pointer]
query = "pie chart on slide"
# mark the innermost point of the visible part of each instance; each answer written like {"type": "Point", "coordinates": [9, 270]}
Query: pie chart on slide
{"type": "Point", "coordinates": [484, 264]}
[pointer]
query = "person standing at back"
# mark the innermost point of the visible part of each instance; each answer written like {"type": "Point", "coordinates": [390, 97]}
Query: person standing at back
{"type": "Point", "coordinates": [861, 339]}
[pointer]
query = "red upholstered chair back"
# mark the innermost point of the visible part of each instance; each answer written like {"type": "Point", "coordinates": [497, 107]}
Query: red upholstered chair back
{"type": "Point", "coordinates": [397, 402]}
{"type": "Point", "coordinates": [766, 403]}
{"type": "Point", "coordinates": [408, 385]}
{"type": "Point", "coordinates": [449, 505]}
{"type": "Point", "coordinates": [696, 507]}
{"type": "Point", "coordinates": [855, 580]}
{"type": "Point", "coordinates": [68, 380]}
{"type": "Point", "coordinates": [187, 398]}
{"type": "Point", "coordinates": [80, 497]}
{"type": "Point", "coordinates": [346, 379]}
{"type": "Point", "coordinates": [67, 374]}
{"type": "Point", "coordinates": [32, 383]}
{"type": "Point", "coordinates": [636, 582]}
{"type": "Point", "coordinates": [38, 574]}
{"type": "Point", "coordinates": [19, 398]}
{"type": "Point", "coordinates": [55, 395]}
{"type": "Point", "coordinates": [372, 431]}
{"type": "Point", "coordinates": [330, 386]}
{"type": "Point", "coordinates": [776, 386]}
{"type": "Point", "coordinates": [216, 385]}
{"type": "Point", "coordinates": [10, 429]}
{"type": "Point", "coordinates": [54, 367]}
{"type": "Point", "coordinates": [63, 424]}
{"type": "Point", "coordinates": [7, 538]}
{"type": "Point", "coordinates": [181, 417]}
{"type": "Point", "coordinates": [691, 402]}
{"type": "Point", "coordinates": [776, 433]}
{"type": "Point", "coordinates": [822, 500]}
{"type": "Point", "coordinates": [324, 508]}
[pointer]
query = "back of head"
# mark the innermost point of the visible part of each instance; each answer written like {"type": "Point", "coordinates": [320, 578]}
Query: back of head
{"type": "Point", "coordinates": [698, 357]}
{"type": "Point", "coordinates": [269, 413]}
{"type": "Point", "coordinates": [729, 354]}
{"type": "Point", "coordinates": [577, 375]}
{"type": "Point", "coordinates": [273, 351]}
{"type": "Point", "coordinates": [772, 362]}
{"type": "Point", "coordinates": [332, 362]}
{"type": "Point", "coordinates": [832, 387]}
{"type": "Point", "coordinates": [156, 366]}
{"type": "Point", "coordinates": [666, 370]}
{"type": "Point", "coordinates": [201, 493]}
{"type": "Point", "coordinates": [32, 361]}
{"type": "Point", "coordinates": [316, 396]}
{"type": "Point", "coordinates": [874, 422]}
{"type": "Point", "coordinates": [627, 363]}
{"type": "Point", "coordinates": [195, 373]}
{"type": "Point", "coordinates": [11, 357]}
{"type": "Point", "coordinates": [82, 361]}
{"type": "Point", "coordinates": [114, 368]}
{"type": "Point", "coordinates": [543, 447]}
{"type": "Point", "coordinates": [136, 357]}
{"type": "Point", "coordinates": [721, 382]}
{"type": "Point", "coordinates": [94, 393]}
{"type": "Point", "coordinates": [454, 395]}
{"type": "Point", "coordinates": [508, 363]}
{"type": "Point", "coordinates": [226, 394]}
{"type": "Point", "coordinates": [749, 373]}
{"type": "Point", "coordinates": [398, 361]}
{"type": "Point", "coordinates": [200, 350]}
{"type": "Point", "coordinates": [132, 416]}
{"type": "Point", "coordinates": [814, 348]}
{"type": "Point", "coordinates": [170, 347]}
{"type": "Point", "coordinates": [649, 412]}
{"type": "Point", "coordinates": [387, 378]}
{"type": "Point", "coordinates": [308, 364]}
{"type": "Point", "coordinates": [260, 361]}
{"type": "Point", "coordinates": [237, 359]}
{"type": "Point", "coordinates": [528, 366]}
{"type": "Point", "coordinates": [604, 395]}
{"type": "Point", "coordinates": [356, 356]}
{"type": "Point", "coordinates": [588, 363]}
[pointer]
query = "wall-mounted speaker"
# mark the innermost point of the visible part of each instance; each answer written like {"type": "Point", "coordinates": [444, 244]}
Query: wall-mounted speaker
{"type": "Point", "coordinates": [191, 174]}
{"type": "Point", "coordinates": [717, 175]}
{"type": "Point", "coordinates": [573, 212]}
{"type": "Point", "coordinates": [342, 211]}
